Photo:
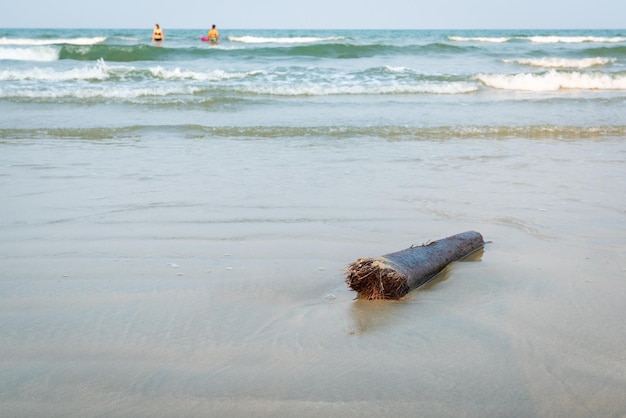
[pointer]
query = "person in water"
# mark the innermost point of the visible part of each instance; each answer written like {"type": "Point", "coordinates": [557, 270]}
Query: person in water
{"type": "Point", "coordinates": [214, 35]}
{"type": "Point", "coordinates": [157, 34]}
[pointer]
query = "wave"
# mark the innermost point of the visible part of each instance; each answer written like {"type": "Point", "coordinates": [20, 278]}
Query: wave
{"type": "Point", "coordinates": [393, 132]}
{"type": "Point", "coordinates": [102, 71]}
{"type": "Point", "coordinates": [540, 39]}
{"type": "Point", "coordinates": [97, 72]}
{"type": "Point", "coordinates": [373, 88]}
{"type": "Point", "coordinates": [145, 52]}
{"type": "Point", "coordinates": [575, 39]}
{"type": "Point", "coordinates": [282, 40]}
{"type": "Point", "coordinates": [617, 51]}
{"type": "Point", "coordinates": [115, 53]}
{"type": "Point", "coordinates": [40, 53]}
{"type": "Point", "coordinates": [189, 94]}
{"type": "Point", "coordinates": [554, 80]}
{"type": "Point", "coordinates": [212, 75]}
{"type": "Point", "coordinates": [562, 62]}
{"type": "Point", "coordinates": [497, 39]}
{"type": "Point", "coordinates": [348, 51]}
{"type": "Point", "coordinates": [96, 93]}
{"type": "Point", "coordinates": [59, 41]}
{"type": "Point", "coordinates": [126, 83]}
{"type": "Point", "coordinates": [129, 85]}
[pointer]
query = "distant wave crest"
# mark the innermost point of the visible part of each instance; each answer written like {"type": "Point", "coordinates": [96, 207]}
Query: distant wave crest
{"type": "Point", "coordinates": [499, 39]}
{"type": "Point", "coordinates": [549, 62]}
{"type": "Point", "coordinates": [59, 41]}
{"type": "Point", "coordinates": [282, 40]}
{"type": "Point", "coordinates": [542, 39]}
{"type": "Point", "coordinates": [575, 39]}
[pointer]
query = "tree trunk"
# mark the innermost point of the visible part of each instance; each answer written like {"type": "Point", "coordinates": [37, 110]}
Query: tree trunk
{"type": "Point", "coordinates": [393, 275]}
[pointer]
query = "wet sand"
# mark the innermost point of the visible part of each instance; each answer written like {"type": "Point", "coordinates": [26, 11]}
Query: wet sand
{"type": "Point", "coordinates": [205, 278]}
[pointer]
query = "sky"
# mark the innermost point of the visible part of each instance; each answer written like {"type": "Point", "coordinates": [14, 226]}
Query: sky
{"type": "Point", "coordinates": [319, 14]}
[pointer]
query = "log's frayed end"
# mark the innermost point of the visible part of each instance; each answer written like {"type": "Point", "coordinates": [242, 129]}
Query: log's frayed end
{"type": "Point", "coordinates": [372, 279]}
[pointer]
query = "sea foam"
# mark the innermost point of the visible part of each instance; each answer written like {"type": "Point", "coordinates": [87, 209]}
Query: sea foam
{"type": "Point", "coordinates": [498, 39]}
{"type": "Point", "coordinates": [562, 62]}
{"type": "Point", "coordinates": [310, 89]}
{"type": "Point", "coordinates": [41, 53]}
{"type": "Point", "coordinates": [540, 39]}
{"type": "Point", "coordinates": [575, 39]}
{"type": "Point", "coordinates": [554, 80]}
{"type": "Point", "coordinates": [59, 41]}
{"type": "Point", "coordinates": [213, 75]}
{"type": "Point", "coordinates": [98, 71]}
{"type": "Point", "coordinates": [120, 93]}
{"type": "Point", "coordinates": [282, 40]}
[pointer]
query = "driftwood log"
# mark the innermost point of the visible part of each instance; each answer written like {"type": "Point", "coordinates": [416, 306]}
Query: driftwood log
{"type": "Point", "coordinates": [393, 275]}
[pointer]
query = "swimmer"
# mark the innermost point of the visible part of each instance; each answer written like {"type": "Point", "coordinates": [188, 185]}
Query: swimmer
{"type": "Point", "coordinates": [213, 35]}
{"type": "Point", "coordinates": [157, 35]}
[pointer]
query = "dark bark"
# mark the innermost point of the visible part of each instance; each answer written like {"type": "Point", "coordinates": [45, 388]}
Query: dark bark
{"type": "Point", "coordinates": [392, 276]}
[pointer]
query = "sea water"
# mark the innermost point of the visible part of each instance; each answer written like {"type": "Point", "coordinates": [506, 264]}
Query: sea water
{"type": "Point", "coordinates": [397, 81]}
{"type": "Point", "coordinates": [175, 222]}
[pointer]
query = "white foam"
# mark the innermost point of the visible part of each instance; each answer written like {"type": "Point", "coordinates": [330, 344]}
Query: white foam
{"type": "Point", "coordinates": [214, 75]}
{"type": "Point", "coordinates": [42, 53]}
{"type": "Point", "coordinates": [313, 89]}
{"type": "Point", "coordinates": [97, 92]}
{"type": "Point", "coordinates": [575, 39]}
{"type": "Point", "coordinates": [396, 69]}
{"type": "Point", "coordinates": [99, 71]}
{"type": "Point", "coordinates": [544, 39]}
{"type": "Point", "coordinates": [562, 62]}
{"type": "Point", "coordinates": [59, 41]}
{"type": "Point", "coordinates": [282, 40]}
{"type": "Point", "coordinates": [554, 80]}
{"type": "Point", "coordinates": [499, 39]}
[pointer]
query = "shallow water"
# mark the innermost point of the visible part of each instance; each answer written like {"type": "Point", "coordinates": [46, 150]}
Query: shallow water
{"type": "Point", "coordinates": [205, 276]}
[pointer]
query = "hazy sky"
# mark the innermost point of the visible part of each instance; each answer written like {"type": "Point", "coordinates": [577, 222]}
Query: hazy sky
{"type": "Point", "coordinates": [323, 14]}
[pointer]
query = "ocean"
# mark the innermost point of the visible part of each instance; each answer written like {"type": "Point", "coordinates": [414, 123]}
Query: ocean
{"type": "Point", "coordinates": [176, 222]}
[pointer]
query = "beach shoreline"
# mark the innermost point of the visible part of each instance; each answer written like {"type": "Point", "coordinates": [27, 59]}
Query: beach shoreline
{"type": "Point", "coordinates": [176, 223]}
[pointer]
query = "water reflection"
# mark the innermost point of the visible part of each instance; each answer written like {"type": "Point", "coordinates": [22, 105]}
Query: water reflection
{"type": "Point", "coordinates": [371, 315]}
